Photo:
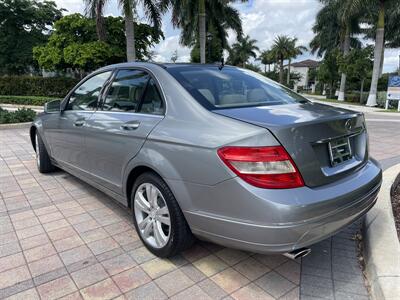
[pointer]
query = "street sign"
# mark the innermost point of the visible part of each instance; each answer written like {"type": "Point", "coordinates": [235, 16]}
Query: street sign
{"type": "Point", "coordinates": [393, 91]}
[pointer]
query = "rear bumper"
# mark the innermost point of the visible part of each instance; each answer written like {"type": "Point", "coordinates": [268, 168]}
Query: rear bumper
{"type": "Point", "coordinates": [238, 215]}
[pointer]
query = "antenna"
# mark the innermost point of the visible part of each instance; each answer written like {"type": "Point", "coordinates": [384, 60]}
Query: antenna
{"type": "Point", "coordinates": [222, 64]}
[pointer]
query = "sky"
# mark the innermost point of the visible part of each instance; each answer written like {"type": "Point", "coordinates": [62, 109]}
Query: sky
{"type": "Point", "coordinates": [263, 20]}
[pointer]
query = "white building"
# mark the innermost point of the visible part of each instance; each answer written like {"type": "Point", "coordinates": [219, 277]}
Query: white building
{"type": "Point", "coordinates": [302, 67]}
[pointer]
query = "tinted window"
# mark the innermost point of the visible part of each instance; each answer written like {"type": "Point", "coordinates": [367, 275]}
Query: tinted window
{"type": "Point", "coordinates": [126, 91]}
{"type": "Point", "coordinates": [232, 87]}
{"type": "Point", "coordinates": [152, 102]}
{"type": "Point", "coordinates": [86, 95]}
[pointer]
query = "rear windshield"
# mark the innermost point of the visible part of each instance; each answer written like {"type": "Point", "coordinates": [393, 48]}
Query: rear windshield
{"type": "Point", "coordinates": [232, 87]}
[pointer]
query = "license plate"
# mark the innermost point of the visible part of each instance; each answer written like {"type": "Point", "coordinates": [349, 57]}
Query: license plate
{"type": "Point", "coordinates": [339, 151]}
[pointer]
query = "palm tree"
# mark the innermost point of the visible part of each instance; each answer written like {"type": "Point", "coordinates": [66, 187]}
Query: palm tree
{"type": "Point", "coordinates": [293, 51]}
{"type": "Point", "coordinates": [152, 10]}
{"type": "Point", "coordinates": [328, 29]}
{"type": "Point", "coordinates": [335, 25]}
{"type": "Point", "coordinates": [349, 20]}
{"type": "Point", "coordinates": [267, 58]}
{"type": "Point", "coordinates": [242, 50]}
{"type": "Point", "coordinates": [191, 17]}
{"type": "Point", "coordinates": [281, 51]}
{"type": "Point", "coordinates": [94, 9]}
{"type": "Point", "coordinates": [379, 10]}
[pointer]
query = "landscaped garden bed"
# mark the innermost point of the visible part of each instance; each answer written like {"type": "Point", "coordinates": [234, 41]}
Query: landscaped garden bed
{"type": "Point", "coordinates": [19, 116]}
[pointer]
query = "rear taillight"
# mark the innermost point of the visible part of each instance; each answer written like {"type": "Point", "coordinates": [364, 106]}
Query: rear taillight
{"type": "Point", "coordinates": [266, 167]}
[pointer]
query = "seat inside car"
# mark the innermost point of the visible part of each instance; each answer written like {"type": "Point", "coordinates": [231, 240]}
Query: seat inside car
{"type": "Point", "coordinates": [256, 95]}
{"type": "Point", "coordinates": [208, 95]}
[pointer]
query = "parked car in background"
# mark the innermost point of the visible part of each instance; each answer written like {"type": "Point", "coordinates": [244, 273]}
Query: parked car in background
{"type": "Point", "coordinates": [216, 152]}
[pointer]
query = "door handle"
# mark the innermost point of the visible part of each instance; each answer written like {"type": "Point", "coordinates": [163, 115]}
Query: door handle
{"type": "Point", "coordinates": [130, 125]}
{"type": "Point", "coordinates": [79, 123]}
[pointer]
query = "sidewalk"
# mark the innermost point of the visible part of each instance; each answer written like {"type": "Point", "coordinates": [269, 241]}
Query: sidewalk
{"type": "Point", "coordinates": [359, 108]}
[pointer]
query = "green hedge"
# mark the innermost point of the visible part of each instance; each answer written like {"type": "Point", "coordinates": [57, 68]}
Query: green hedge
{"type": "Point", "coordinates": [18, 116]}
{"type": "Point", "coordinates": [25, 100]}
{"type": "Point", "coordinates": [36, 86]}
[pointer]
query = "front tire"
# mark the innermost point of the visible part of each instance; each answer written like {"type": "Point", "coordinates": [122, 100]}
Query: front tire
{"type": "Point", "coordinates": [43, 161]}
{"type": "Point", "coordinates": [158, 218]}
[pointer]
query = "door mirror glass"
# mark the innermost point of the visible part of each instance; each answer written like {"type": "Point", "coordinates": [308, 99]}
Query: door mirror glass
{"type": "Point", "coordinates": [52, 106]}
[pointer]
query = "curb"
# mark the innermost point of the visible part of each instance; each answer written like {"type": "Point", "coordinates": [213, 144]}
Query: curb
{"type": "Point", "coordinates": [381, 245]}
{"type": "Point", "coordinates": [15, 125]}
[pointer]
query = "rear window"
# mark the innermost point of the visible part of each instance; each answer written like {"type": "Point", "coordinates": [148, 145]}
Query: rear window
{"type": "Point", "coordinates": [232, 87]}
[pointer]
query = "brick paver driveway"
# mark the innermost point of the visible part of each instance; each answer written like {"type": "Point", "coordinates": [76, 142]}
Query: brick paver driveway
{"type": "Point", "coordinates": [60, 238]}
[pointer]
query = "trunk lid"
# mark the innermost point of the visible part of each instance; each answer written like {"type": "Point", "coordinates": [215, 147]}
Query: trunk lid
{"type": "Point", "coordinates": [315, 135]}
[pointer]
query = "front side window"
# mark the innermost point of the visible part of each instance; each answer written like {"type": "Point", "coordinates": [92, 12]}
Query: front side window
{"type": "Point", "coordinates": [126, 91]}
{"type": "Point", "coordinates": [229, 87]}
{"type": "Point", "coordinates": [86, 95]}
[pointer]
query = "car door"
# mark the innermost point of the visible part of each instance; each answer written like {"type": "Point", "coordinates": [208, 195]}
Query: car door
{"type": "Point", "coordinates": [132, 106]}
{"type": "Point", "coordinates": [67, 132]}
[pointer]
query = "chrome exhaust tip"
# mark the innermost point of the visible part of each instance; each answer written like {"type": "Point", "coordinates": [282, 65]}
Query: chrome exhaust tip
{"type": "Point", "coordinates": [298, 253]}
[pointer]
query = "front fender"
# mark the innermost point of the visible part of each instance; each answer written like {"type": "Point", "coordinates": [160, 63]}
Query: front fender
{"type": "Point", "coordinates": [37, 127]}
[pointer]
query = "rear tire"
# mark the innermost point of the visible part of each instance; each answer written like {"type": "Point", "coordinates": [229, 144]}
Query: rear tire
{"type": "Point", "coordinates": [43, 161]}
{"type": "Point", "coordinates": [173, 232]}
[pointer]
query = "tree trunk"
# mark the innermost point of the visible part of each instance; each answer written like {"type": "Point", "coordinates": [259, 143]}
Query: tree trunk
{"type": "Point", "coordinates": [382, 60]}
{"type": "Point", "coordinates": [281, 71]}
{"type": "Point", "coordinates": [288, 73]}
{"type": "Point", "coordinates": [269, 68]}
{"type": "Point", "coordinates": [362, 90]}
{"type": "Point", "coordinates": [100, 30]}
{"type": "Point", "coordinates": [202, 31]}
{"type": "Point", "coordinates": [101, 34]}
{"type": "Point", "coordinates": [346, 48]}
{"type": "Point", "coordinates": [130, 36]}
{"type": "Point", "coordinates": [265, 68]}
{"type": "Point", "coordinates": [379, 41]}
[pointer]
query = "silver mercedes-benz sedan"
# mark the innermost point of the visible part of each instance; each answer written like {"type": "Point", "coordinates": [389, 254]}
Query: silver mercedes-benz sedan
{"type": "Point", "coordinates": [216, 152]}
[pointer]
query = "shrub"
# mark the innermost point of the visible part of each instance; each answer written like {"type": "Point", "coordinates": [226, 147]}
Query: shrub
{"type": "Point", "coordinates": [18, 116]}
{"type": "Point", "coordinates": [354, 96]}
{"type": "Point", "coordinates": [36, 86]}
{"type": "Point", "coordinates": [25, 100]}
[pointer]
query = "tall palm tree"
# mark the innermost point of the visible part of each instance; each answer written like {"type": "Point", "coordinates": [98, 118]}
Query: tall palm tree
{"type": "Point", "coordinates": [242, 50]}
{"type": "Point", "coordinates": [293, 52]}
{"type": "Point", "coordinates": [328, 29]}
{"type": "Point", "coordinates": [335, 25]}
{"type": "Point", "coordinates": [383, 13]}
{"type": "Point", "coordinates": [281, 51]}
{"type": "Point", "coordinates": [193, 17]}
{"type": "Point", "coordinates": [152, 10]}
{"type": "Point", "coordinates": [94, 9]}
{"type": "Point", "coordinates": [267, 58]}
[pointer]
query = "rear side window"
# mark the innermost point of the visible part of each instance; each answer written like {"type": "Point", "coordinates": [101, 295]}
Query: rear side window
{"type": "Point", "coordinates": [232, 87]}
{"type": "Point", "coordinates": [126, 91]}
{"type": "Point", "coordinates": [152, 102]}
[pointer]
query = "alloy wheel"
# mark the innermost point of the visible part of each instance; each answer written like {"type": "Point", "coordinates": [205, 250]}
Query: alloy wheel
{"type": "Point", "coordinates": [152, 215]}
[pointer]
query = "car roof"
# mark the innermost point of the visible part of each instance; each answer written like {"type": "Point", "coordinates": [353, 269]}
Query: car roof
{"type": "Point", "coordinates": [162, 65]}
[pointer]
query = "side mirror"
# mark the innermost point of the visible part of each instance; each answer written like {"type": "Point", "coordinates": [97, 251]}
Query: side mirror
{"type": "Point", "coordinates": [52, 107]}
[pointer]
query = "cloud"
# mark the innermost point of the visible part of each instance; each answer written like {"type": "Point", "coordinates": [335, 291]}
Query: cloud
{"type": "Point", "coordinates": [166, 48]}
{"type": "Point", "coordinates": [263, 20]}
